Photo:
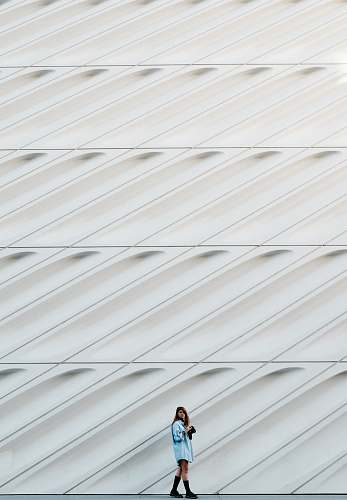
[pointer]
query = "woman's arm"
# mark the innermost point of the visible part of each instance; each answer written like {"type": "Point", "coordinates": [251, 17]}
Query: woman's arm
{"type": "Point", "coordinates": [178, 431]}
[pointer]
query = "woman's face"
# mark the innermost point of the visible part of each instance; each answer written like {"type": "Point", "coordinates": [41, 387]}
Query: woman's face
{"type": "Point", "coordinates": [181, 414]}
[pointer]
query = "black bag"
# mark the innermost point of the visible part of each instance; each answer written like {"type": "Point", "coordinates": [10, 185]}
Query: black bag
{"type": "Point", "coordinates": [191, 431]}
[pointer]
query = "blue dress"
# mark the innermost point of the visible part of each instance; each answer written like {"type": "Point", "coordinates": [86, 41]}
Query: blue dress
{"type": "Point", "coordinates": [182, 445]}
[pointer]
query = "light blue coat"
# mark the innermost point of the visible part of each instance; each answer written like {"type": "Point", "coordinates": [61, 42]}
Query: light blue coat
{"type": "Point", "coordinates": [182, 445]}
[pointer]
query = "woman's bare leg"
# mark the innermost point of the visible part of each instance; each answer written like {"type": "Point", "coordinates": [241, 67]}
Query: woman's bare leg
{"type": "Point", "coordinates": [184, 470]}
{"type": "Point", "coordinates": [174, 492]}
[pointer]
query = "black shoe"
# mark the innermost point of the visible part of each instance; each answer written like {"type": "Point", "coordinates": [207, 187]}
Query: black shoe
{"type": "Point", "coordinates": [191, 495]}
{"type": "Point", "coordinates": [176, 494]}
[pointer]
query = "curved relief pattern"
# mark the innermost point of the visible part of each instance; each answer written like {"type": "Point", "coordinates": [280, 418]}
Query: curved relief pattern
{"type": "Point", "coordinates": [174, 106]}
{"type": "Point", "coordinates": [161, 197]}
{"type": "Point", "coordinates": [173, 231]}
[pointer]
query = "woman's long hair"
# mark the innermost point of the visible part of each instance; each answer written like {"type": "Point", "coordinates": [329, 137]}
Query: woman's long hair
{"type": "Point", "coordinates": [186, 416]}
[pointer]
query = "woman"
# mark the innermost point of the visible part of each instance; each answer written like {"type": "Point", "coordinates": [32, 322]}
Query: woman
{"type": "Point", "coordinates": [182, 445]}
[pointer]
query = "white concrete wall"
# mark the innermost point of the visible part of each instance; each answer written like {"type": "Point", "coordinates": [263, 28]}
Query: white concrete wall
{"type": "Point", "coordinates": [173, 222]}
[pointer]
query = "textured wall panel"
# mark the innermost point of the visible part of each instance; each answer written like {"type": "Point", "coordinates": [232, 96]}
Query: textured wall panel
{"type": "Point", "coordinates": [173, 231]}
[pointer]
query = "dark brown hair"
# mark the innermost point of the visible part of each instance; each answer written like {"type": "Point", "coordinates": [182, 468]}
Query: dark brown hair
{"type": "Point", "coordinates": [186, 417]}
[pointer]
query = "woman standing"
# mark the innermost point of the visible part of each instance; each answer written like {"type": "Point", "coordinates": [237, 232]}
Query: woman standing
{"type": "Point", "coordinates": [181, 439]}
